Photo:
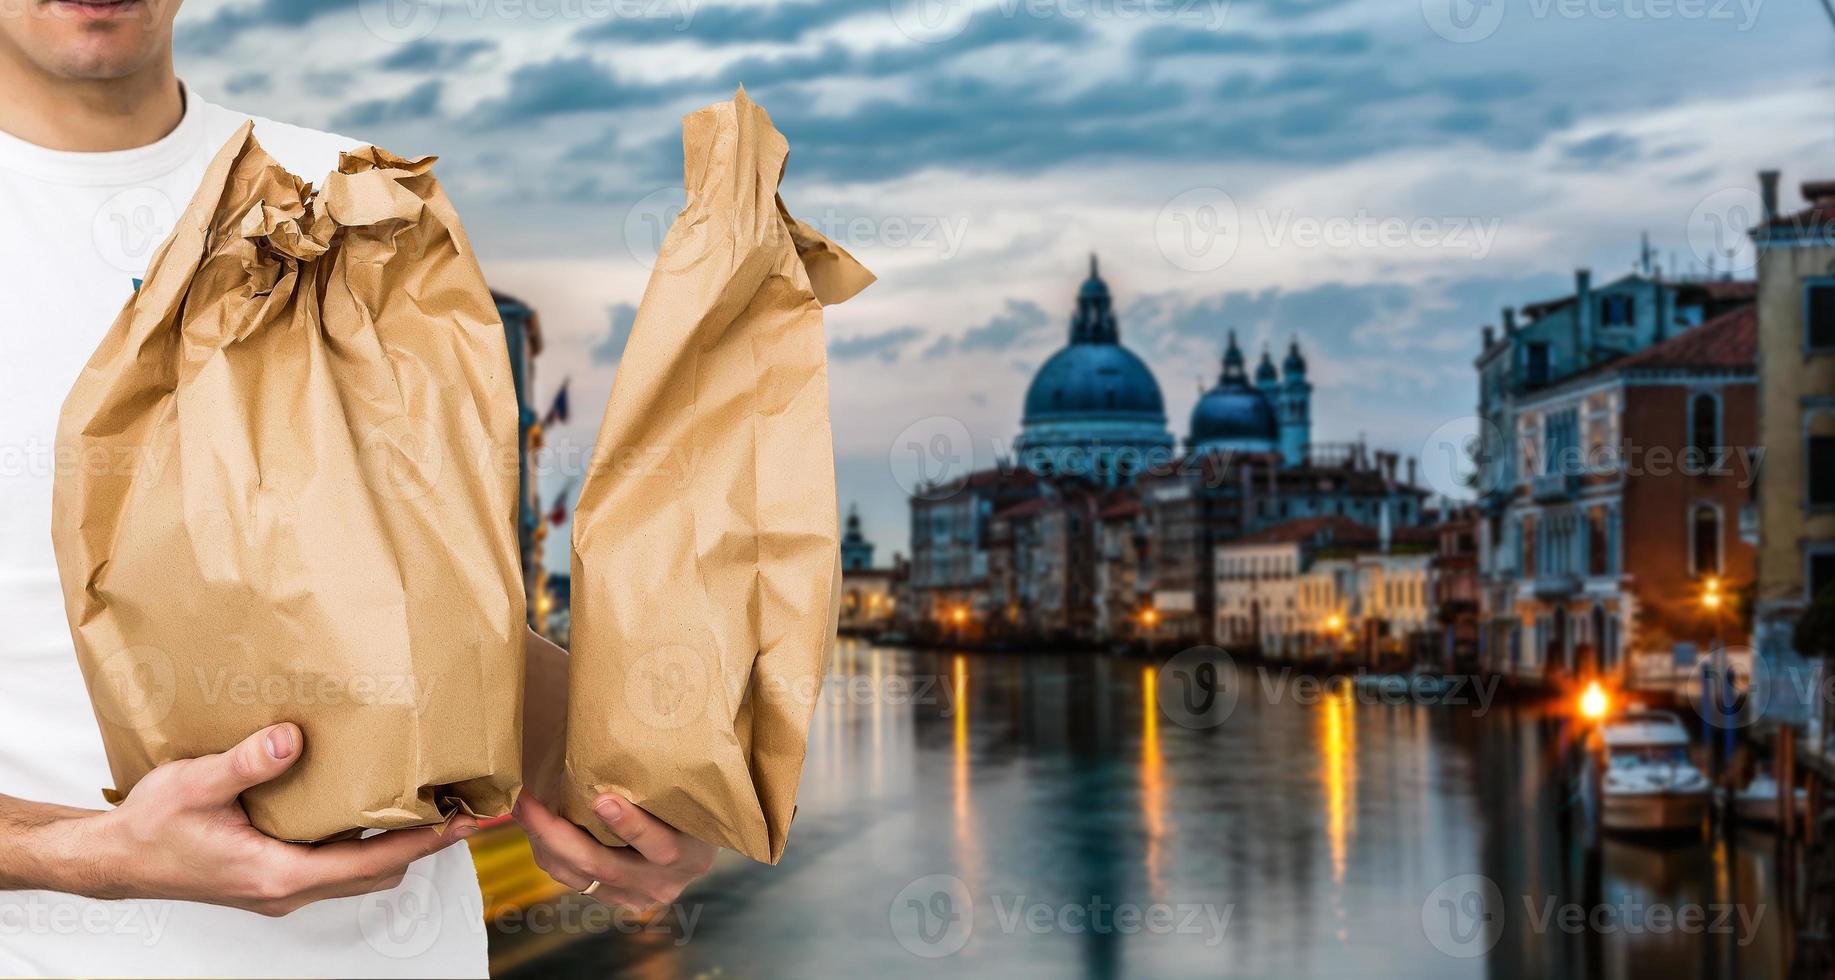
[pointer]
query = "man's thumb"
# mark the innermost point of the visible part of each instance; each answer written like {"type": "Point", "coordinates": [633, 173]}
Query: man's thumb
{"type": "Point", "coordinates": [255, 760]}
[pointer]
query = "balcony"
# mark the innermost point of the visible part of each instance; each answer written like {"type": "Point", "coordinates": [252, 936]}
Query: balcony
{"type": "Point", "coordinates": [1555, 586]}
{"type": "Point", "coordinates": [1554, 487]}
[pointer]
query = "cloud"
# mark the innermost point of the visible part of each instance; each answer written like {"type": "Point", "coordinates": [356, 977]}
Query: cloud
{"type": "Point", "coordinates": [562, 86]}
{"type": "Point", "coordinates": [887, 345]}
{"type": "Point", "coordinates": [1170, 41]}
{"type": "Point", "coordinates": [712, 26]}
{"type": "Point", "coordinates": [1008, 329]}
{"type": "Point", "coordinates": [229, 23]}
{"type": "Point", "coordinates": [611, 347]}
{"type": "Point", "coordinates": [247, 83]}
{"type": "Point", "coordinates": [428, 55]}
{"type": "Point", "coordinates": [1602, 150]}
{"type": "Point", "coordinates": [420, 102]}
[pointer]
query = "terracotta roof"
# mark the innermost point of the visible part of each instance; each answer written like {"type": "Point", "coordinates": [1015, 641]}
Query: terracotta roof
{"type": "Point", "coordinates": [1023, 508]}
{"type": "Point", "coordinates": [1729, 342]}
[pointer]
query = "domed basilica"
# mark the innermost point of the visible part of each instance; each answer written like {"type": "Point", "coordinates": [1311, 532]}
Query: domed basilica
{"type": "Point", "coordinates": [1094, 408]}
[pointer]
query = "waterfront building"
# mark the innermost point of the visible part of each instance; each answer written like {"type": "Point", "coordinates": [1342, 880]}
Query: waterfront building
{"type": "Point", "coordinates": [1259, 577]}
{"type": "Point", "coordinates": [1124, 572]}
{"type": "Point", "coordinates": [1456, 585]}
{"type": "Point", "coordinates": [1631, 480]}
{"type": "Point", "coordinates": [1093, 409]}
{"type": "Point", "coordinates": [1796, 369]}
{"type": "Point", "coordinates": [949, 588]}
{"type": "Point", "coordinates": [1042, 566]}
{"type": "Point", "coordinates": [1217, 496]}
{"type": "Point", "coordinates": [522, 333]}
{"type": "Point", "coordinates": [1558, 339]}
{"type": "Point", "coordinates": [1328, 587]}
{"type": "Point", "coordinates": [869, 595]}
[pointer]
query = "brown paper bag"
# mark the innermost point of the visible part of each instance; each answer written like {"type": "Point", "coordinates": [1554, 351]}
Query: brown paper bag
{"type": "Point", "coordinates": [287, 500]}
{"type": "Point", "coordinates": [705, 549]}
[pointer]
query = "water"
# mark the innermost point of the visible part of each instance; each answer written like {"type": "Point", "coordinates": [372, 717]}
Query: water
{"type": "Point", "coordinates": [1047, 815]}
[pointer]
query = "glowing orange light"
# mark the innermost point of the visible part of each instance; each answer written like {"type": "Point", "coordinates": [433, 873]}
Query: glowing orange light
{"type": "Point", "coordinates": [1150, 617]}
{"type": "Point", "coordinates": [959, 615]}
{"type": "Point", "coordinates": [1594, 703]}
{"type": "Point", "coordinates": [1334, 623]}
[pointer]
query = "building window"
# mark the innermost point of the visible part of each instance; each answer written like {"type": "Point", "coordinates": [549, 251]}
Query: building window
{"type": "Point", "coordinates": [1704, 427]}
{"type": "Point", "coordinates": [1617, 311]}
{"type": "Point", "coordinates": [1536, 370]}
{"type": "Point", "coordinates": [1599, 544]}
{"type": "Point", "coordinates": [1819, 460]}
{"type": "Point", "coordinates": [1819, 315]}
{"type": "Point", "coordinates": [1819, 573]}
{"type": "Point", "coordinates": [1704, 541]}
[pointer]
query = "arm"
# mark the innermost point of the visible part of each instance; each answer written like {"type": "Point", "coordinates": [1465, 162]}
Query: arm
{"type": "Point", "coordinates": [181, 834]}
{"type": "Point", "coordinates": [661, 860]}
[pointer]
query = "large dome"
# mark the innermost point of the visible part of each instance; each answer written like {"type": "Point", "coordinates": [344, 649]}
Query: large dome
{"type": "Point", "coordinates": [1233, 415]}
{"type": "Point", "coordinates": [1093, 407]}
{"type": "Point", "coordinates": [1094, 381]}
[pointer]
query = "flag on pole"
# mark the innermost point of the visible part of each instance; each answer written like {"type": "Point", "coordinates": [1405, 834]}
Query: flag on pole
{"type": "Point", "coordinates": [557, 514]}
{"type": "Point", "coordinates": [558, 410]}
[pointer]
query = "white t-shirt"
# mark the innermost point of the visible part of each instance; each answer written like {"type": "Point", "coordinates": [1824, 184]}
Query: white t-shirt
{"type": "Point", "coordinates": [76, 231]}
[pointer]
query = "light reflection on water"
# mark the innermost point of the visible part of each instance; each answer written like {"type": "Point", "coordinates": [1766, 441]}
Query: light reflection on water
{"type": "Point", "coordinates": [1324, 827]}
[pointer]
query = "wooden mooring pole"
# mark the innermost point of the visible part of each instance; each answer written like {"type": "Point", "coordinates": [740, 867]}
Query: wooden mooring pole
{"type": "Point", "coordinates": [1787, 782]}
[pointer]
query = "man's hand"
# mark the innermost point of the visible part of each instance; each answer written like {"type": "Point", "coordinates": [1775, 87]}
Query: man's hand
{"type": "Point", "coordinates": [658, 865]}
{"type": "Point", "coordinates": [181, 834]}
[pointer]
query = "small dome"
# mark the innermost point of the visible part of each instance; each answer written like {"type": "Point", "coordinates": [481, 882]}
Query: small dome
{"type": "Point", "coordinates": [1234, 416]}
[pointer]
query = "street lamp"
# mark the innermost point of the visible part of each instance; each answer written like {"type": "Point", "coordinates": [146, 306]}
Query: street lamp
{"type": "Point", "coordinates": [1594, 703]}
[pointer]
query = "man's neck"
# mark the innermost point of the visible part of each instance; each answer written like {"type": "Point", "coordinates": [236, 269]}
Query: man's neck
{"type": "Point", "coordinates": [89, 116]}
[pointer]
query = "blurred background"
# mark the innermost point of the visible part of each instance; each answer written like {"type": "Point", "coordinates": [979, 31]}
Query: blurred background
{"type": "Point", "coordinates": [1288, 444]}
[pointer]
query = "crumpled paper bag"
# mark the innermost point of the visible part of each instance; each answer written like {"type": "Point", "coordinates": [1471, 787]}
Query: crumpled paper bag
{"type": "Point", "coordinates": [292, 495]}
{"type": "Point", "coordinates": [706, 558]}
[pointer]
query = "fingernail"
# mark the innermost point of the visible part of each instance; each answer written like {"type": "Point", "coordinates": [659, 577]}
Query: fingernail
{"type": "Point", "coordinates": [280, 741]}
{"type": "Point", "coordinates": [609, 809]}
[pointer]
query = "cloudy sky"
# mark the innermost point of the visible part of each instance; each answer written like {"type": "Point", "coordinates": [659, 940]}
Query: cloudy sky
{"type": "Point", "coordinates": [1376, 177]}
